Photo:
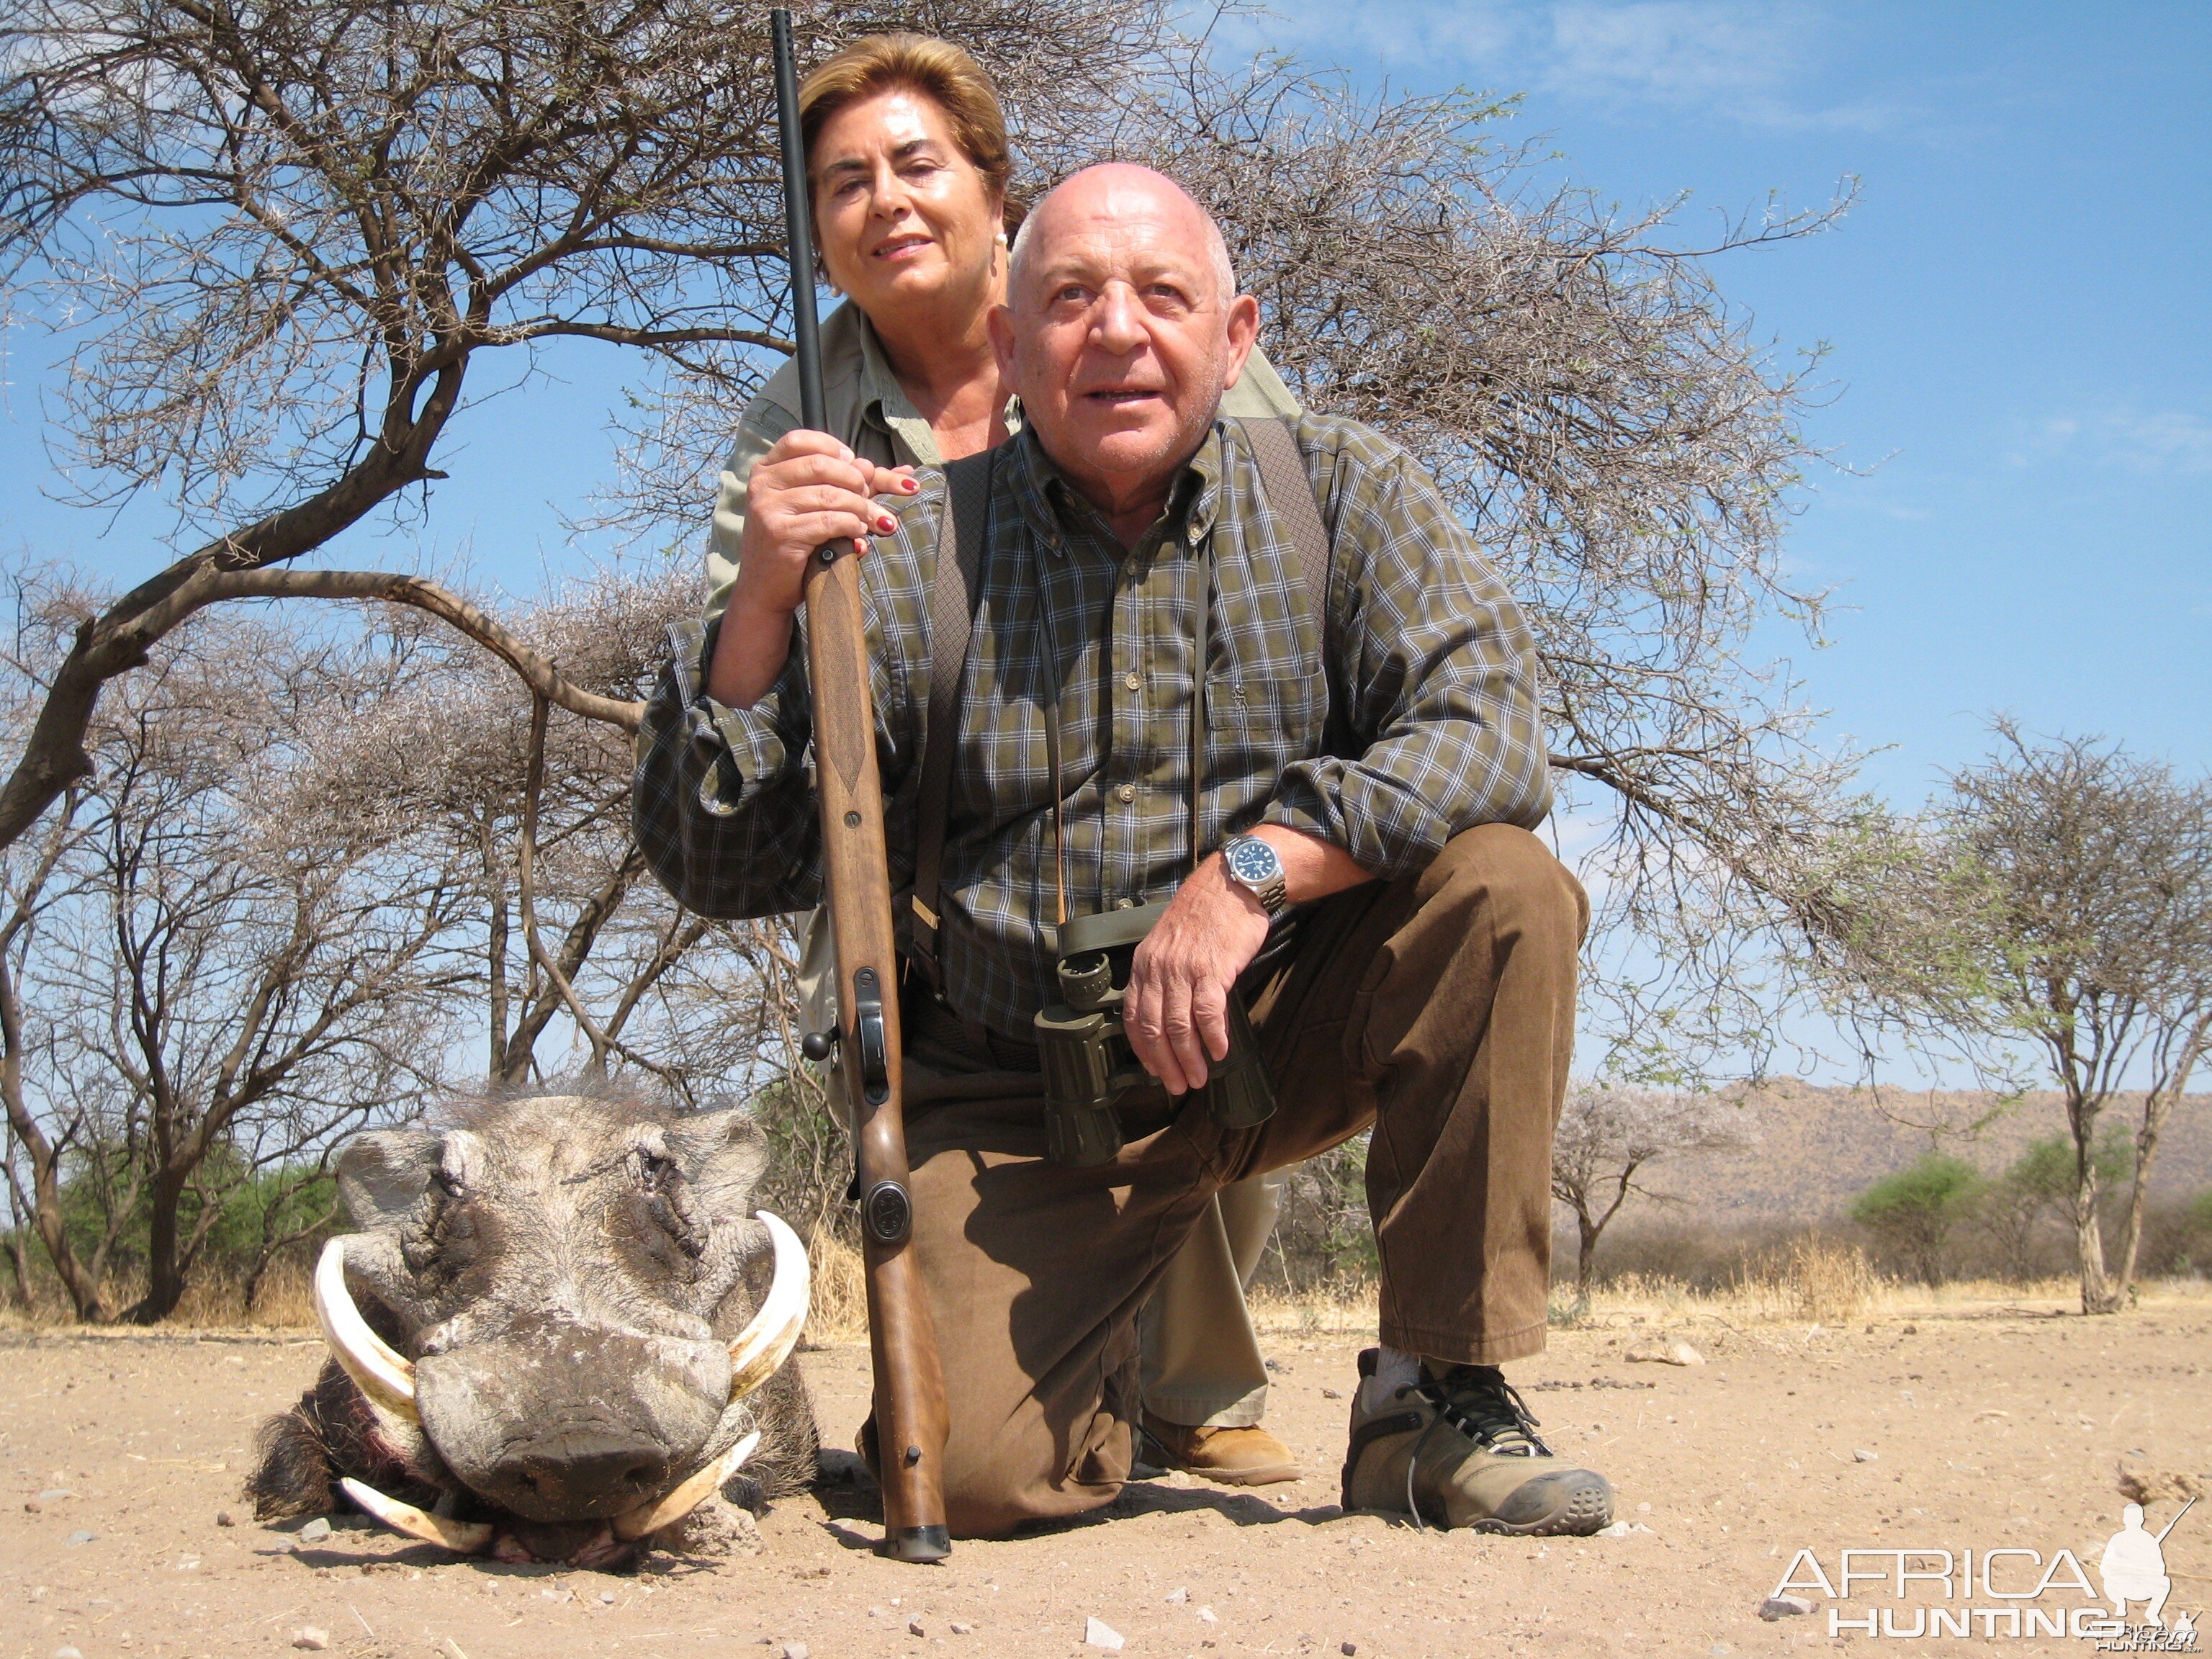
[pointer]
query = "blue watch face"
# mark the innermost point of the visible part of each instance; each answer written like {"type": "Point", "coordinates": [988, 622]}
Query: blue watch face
{"type": "Point", "coordinates": [1254, 862]}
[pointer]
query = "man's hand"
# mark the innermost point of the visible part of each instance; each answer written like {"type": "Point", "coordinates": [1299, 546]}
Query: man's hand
{"type": "Point", "coordinates": [1176, 1013]}
{"type": "Point", "coordinates": [807, 490]}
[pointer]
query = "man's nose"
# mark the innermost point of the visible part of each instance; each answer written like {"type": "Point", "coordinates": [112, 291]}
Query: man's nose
{"type": "Point", "coordinates": [1117, 325]}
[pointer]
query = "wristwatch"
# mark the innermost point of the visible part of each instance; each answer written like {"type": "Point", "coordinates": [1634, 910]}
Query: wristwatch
{"type": "Point", "coordinates": [1255, 866]}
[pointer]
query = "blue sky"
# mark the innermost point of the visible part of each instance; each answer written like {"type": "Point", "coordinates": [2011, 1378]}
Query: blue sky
{"type": "Point", "coordinates": [2018, 351]}
{"type": "Point", "coordinates": [2014, 313]}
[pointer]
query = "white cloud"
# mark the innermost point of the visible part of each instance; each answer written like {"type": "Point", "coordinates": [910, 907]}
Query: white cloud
{"type": "Point", "coordinates": [1471, 40]}
{"type": "Point", "coordinates": [1746, 61]}
{"type": "Point", "coordinates": [2146, 443]}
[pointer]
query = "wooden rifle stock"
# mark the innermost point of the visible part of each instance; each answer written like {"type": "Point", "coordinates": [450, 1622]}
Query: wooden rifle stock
{"type": "Point", "coordinates": [909, 1378]}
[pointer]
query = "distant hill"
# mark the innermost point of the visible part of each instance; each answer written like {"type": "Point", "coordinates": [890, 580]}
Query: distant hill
{"type": "Point", "coordinates": [1817, 1148]}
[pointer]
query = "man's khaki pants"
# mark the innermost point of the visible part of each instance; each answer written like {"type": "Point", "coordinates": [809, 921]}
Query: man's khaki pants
{"type": "Point", "coordinates": [1199, 1357]}
{"type": "Point", "coordinates": [1439, 1009]}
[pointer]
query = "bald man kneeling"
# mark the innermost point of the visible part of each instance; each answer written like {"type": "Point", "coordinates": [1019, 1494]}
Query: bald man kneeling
{"type": "Point", "coordinates": [1343, 843]}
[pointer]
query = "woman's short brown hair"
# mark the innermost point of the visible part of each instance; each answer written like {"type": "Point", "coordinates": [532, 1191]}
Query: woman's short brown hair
{"type": "Point", "coordinates": [937, 70]}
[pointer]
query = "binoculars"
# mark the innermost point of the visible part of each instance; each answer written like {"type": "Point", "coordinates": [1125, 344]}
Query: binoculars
{"type": "Point", "coordinates": [1088, 1062]}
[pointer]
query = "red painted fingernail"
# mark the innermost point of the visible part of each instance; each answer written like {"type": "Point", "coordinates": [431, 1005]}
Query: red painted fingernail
{"type": "Point", "coordinates": [887, 524]}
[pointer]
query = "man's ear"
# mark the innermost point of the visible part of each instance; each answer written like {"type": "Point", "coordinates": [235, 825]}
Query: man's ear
{"type": "Point", "coordinates": [1243, 332]}
{"type": "Point", "coordinates": [998, 320]}
{"type": "Point", "coordinates": [382, 1173]}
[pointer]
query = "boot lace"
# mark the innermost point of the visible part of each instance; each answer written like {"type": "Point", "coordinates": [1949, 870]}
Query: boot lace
{"type": "Point", "coordinates": [1478, 1402]}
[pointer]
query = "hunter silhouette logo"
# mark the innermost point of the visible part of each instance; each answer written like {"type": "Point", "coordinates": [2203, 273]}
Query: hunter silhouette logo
{"type": "Point", "coordinates": [2133, 1565]}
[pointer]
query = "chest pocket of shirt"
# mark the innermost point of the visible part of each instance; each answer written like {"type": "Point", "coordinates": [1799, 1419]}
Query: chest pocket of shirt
{"type": "Point", "coordinates": [1267, 698]}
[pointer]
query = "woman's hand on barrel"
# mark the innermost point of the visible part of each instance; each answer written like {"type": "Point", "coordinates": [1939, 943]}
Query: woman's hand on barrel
{"type": "Point", "coordinates": [807, 490]}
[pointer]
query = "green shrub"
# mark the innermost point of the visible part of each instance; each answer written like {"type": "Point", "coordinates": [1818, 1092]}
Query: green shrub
{"type": "Point", "coordinates": [1913, 1211]}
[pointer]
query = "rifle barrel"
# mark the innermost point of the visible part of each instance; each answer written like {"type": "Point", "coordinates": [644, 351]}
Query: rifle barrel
{"type": "Point", "coordinates": [910, 1418]}
{"type": "Point", "coordinates": [2176, 1522]}
{"type": "Point", "coordinates": [798, 227]}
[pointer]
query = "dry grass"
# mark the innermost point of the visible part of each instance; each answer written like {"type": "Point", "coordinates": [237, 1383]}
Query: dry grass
{"type": "Point", "coordinates": [1811, 1279]}
{"type": "Point", "coordinates": [839, 1312]}
{"type": "Point", "coordinates": [1814, 1278]}
{"type": "Point", "coordinates": [209, 1302]}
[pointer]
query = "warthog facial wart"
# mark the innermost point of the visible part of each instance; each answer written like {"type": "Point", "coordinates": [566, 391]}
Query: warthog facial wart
{"type": "Point", "coordinates": [557, 1333]}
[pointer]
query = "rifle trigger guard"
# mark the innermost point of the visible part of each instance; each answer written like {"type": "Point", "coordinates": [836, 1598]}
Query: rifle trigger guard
{"type": "Point", "coordinates": [868, 1031]}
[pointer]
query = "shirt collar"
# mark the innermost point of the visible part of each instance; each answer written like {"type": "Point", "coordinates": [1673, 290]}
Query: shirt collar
{"type": "Point", "coordinates": [885, 399]}
{"type": "Point", "coordinates": [1056, 509]}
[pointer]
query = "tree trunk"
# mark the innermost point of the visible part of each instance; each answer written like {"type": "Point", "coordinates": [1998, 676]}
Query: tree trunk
{"type": "Point", "coordinates": [18, 1257]}
{"type": "Point", "coordinates": [2159, 1103]}
{"type": "Point", "coordinates": [81, 1286]}
{"type": "Point", "coordinates": [2081, 1112]}
{"type": "Point", "coordinates": [1585, 1254]}
{"type": "Point", "coordinates": [2098, 1294]}
{"type": "Point", "coordinates": [165, 1274]}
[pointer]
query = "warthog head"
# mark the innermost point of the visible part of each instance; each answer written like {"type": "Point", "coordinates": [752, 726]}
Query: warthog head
{"type": "Point", "coordinates": [551, 1330]}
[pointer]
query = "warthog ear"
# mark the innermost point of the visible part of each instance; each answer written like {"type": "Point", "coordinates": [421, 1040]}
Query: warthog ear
{"type": "Point", "coordinates": [382, 1173]}
{"type": "Point", "coordinates": [724, 1154]}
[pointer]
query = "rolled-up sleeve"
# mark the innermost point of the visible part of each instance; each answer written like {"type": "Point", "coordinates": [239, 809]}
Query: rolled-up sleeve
{"type": "Point", "coordinates": [1437, 670]}
{"type": "Point", "coordinates": [764, 423]}
{"type": "Point", "coordinates": [722, 805]}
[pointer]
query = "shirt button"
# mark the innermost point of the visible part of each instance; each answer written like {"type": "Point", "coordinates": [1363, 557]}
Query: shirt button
{"type": "Point", "coordinates": [1127, 792]}
{"type": "Point", "coordinates": [1125, 904]}
{"type": "Point", "coordinates": [1135, 682]}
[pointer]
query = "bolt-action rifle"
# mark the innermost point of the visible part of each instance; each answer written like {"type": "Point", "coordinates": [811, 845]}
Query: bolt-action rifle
{"type": "Point", "coordinates": [909, 1380]}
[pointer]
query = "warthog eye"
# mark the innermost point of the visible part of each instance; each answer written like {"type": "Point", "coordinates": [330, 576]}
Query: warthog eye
{"type": "Point", "coordinates": [668, 1201]}
{"type": "Point", "coordinates": [437, 1242]}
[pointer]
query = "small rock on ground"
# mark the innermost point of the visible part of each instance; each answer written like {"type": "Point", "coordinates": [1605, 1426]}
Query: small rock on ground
{"type": "Point", "coordinates": [796, 1651]}
{"type": "Point", "coordinates": [1177, 1596]}
{"type": "Point", "coordinates": [1863, 1455]}
{"type": "Point", "coordinates": [1783, 1606]}
{"type": "Point", "coordinates": [1665, 1353]}
{"type": "Point", "coordinates": [81, 1537]}
{"type": "Point", "coordinates": [66, 1653]}
{"type": "Point", "coordinates": [315, 1531]}
{"type": "Point", "coordinates": [960, 1629]}
{"type": "Point", "coordinates": [914, 1627]}
{"type": "Point", "coordinates": [1347, 1649]}
{"type": "Point", "coordinates": [313, 1638]}
{"type": "Point", "coordinates": [1098, 1633]}
{"type": "Point", "coordinates": [222, 1518]}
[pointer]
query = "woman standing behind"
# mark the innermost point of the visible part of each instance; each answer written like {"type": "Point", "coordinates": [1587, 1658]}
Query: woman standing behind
{"type": "Point", "coordinates": [908, 162]}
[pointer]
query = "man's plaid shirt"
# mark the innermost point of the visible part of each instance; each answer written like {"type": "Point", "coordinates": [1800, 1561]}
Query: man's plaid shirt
{"type": "Point", "coordinates": [1431, 667]}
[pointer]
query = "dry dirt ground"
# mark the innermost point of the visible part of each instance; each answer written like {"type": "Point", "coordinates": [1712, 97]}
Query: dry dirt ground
{"type": "Point", "coordinates": [1990, 1426]}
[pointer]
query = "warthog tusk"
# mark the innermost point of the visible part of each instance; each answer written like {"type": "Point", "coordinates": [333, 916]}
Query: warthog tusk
{"type": "Point", "coordinates": [465, 1537]}
{"type": "Point", "coordinates": [663, 1511]}
{"type": "Point", "coordinates": [387, 1378]}
{"type": "Point", "coordinates": [767, 1342]}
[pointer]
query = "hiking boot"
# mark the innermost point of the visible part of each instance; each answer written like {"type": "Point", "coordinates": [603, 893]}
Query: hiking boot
{"type": "Point", "coordinates": [1233, 1456]}
{"type": "Point", "coordinates": [1460, 1450]}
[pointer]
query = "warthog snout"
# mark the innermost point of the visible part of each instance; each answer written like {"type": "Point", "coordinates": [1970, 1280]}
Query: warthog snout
{"type": "Point", "coordinates": [561, 1421]}
{"type": "Point", "coordinates": [577, 1470]}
